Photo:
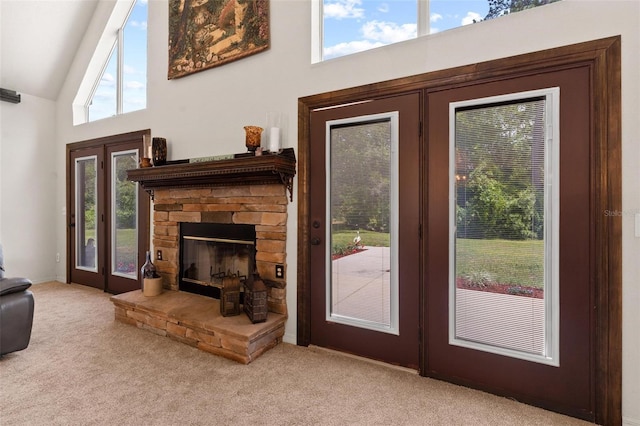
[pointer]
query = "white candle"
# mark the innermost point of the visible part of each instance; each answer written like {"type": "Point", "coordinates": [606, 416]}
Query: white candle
{"type": "Point", "coordinates": [274, 139]}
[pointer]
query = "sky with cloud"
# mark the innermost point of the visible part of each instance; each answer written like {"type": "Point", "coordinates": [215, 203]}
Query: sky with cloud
{"type": "Point", "coordinates": [349, 26]}
{"type": "Point", "coordinates": [355, 25]}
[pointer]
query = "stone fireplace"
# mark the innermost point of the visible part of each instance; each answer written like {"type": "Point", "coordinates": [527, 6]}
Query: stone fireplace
{"type": "Point", "coordinates": [234, 215]}
{"type": "Point", "coordinates": [261, 206]}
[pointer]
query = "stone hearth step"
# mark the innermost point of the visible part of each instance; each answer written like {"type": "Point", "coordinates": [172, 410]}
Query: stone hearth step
{"type": "Point", "coordinates": [196, 320]}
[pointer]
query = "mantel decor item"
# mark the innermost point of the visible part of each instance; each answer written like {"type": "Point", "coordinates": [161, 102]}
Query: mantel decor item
{"type": "Point", "coordinates": [274, 132]}
{"type": "Point", "coordinates": [145, 161]}
{"type": "Point", "coordinates": [253, 137]}
{"type": "Point", "coordinates": [206, 33]}
{"type": "Point", "coordinates": [159, 148]}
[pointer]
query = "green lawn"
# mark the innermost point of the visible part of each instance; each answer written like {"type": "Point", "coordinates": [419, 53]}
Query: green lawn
{"type": "Point", "coordinates": [127, 250]}
{"type": "Point", "coordinates": [486, 261]}
{"type": "Point", "coordinates": [501, 261]}
{"type": "Point", "coordinates": [369, 238]}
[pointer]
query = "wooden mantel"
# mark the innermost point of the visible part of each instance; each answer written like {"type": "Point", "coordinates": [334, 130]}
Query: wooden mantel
{"type": "Point", "coordinates": [243, 170]}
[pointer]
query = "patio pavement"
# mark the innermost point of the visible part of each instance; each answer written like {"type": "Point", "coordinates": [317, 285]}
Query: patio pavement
{"type": "Point", "coordinates": [361, 290]}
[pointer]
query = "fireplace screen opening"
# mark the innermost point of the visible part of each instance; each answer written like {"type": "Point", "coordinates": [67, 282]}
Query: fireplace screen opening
{"type": "Point", "coordinates": [210, 252]}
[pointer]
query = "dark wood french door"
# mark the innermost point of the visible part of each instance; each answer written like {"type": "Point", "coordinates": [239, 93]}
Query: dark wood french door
{"type": "Point", "coordinates": [86, 259]}
{"type": "Point", "coordinates": [107, 215]}
{"type": "Point", "coordinates": [365, 229]}
{"type": "Point", "coordinates": [536, 349]}
{"type": "Point", "coordinates": [567, 357]}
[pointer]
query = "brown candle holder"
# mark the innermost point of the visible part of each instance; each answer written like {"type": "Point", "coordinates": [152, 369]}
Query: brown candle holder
{"type": "Point", "coordinates": [254, 134]}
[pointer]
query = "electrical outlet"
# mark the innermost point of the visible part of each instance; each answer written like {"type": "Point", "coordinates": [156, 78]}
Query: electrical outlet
{"type": "Point", "coordinates": [57, 257]}
{"type": "Point", "coordinates": [159, 255]}
{"type": "Point", "coordinates": [279, 271]}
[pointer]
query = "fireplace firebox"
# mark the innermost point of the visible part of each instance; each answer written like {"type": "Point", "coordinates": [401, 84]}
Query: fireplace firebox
{"type": "Point", "coordinates": [211, 252]}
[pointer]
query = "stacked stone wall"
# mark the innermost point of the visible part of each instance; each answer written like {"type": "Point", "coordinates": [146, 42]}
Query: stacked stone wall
{"type": "Point", "coordinates": [264, 206]}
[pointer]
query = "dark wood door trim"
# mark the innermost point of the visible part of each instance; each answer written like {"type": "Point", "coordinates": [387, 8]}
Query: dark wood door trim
{"type": "Point", "coordinates": [604, 58]}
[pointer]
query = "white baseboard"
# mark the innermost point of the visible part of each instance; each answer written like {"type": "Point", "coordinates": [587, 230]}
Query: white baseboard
{"type": "Point", "coordinates": [293, 339]}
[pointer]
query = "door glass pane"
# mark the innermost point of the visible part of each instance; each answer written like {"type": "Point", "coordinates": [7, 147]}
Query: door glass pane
{"type": "Point", "coordinates": [501, 260]}
{"type": "Point", "coordinates": [86, 213]}
{"type": "Point", "coordinates": [124, 204]}
{"type": "Point", "coordinates": [362, 200]}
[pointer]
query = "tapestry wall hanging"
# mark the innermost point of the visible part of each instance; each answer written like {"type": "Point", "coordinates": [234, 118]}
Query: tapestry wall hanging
{"type": "Point", "coordinates": [206, 33]}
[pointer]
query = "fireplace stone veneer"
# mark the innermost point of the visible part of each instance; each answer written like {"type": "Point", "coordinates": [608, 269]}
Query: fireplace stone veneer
{"type": "Point", "coordinates": [256, 194]}
{"type": "Point", "coordinates": [195, 319]}
{"type": "Point", "coordinates": [264, 206]}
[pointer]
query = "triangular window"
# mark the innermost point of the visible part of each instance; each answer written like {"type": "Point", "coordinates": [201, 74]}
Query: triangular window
{"type": "Point", "coordinates": [116, 78]}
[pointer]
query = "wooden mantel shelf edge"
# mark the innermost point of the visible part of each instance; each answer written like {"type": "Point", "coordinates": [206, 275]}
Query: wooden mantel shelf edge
{"type": "Point", "coordinates": [262, 169]}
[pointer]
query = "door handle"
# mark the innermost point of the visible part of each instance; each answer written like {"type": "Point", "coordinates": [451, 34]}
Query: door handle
{"type": "Point", "coordinates": [315, 241]}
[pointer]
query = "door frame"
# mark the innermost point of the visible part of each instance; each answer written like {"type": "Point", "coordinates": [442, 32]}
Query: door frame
{"type": "Point", "coordinates": [603, 57]}
{"type": "Point", "coordinates": [143, 220]}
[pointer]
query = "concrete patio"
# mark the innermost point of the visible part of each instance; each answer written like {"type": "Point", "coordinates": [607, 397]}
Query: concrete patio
{"type": "Point", "coordinates": [361, 290]}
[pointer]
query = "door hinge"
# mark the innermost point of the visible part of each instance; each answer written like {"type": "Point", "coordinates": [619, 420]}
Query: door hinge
{"type": "Point", "coordinates": [420, 231]}
{"type": "Point", "coordinates": [420, 129]}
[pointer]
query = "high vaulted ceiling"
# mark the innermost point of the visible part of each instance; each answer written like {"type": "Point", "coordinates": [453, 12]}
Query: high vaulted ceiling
{"type": "Point", "coordinates": [39, 39]}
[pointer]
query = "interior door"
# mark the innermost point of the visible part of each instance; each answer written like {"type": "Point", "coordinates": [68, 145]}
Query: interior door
{"type": "Point", "coordinates": [508, 285]}
{"type": "Point", "coordinates": [108, 214]}
{"type": "Point", "coordinates": [365, 229]}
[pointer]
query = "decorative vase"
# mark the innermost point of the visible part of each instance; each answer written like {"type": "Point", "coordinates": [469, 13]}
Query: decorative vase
{"type": "Point", "coordinates": [148, 270]}
{"type": "Point", "coordinates": [253, 137]}
{"type": "Point", "coordinates": [159, 148]}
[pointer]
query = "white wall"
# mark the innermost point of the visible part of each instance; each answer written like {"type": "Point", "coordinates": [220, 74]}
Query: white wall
{"type": "Point", "coordinates": [203, 114]}
{"type": "Point", "coordinates": [28, 174]}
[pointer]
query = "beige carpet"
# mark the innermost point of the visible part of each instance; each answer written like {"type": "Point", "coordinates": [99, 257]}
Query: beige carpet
{"type": "Point", "coordinates": [83, 368]}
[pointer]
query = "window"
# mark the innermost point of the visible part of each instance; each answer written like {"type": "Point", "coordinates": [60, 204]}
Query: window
{"type": "Point", "coordinates": [362, 183]}
{"type": "Point", "coordinates": [343, 27]}
{"type": "Point", "coordinates": [504, 225]}
{"type": "Point", "coordinates": [116, 77]}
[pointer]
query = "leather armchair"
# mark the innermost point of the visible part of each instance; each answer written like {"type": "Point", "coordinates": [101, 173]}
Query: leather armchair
{"type": "Point", "coordinates": [16, 312]}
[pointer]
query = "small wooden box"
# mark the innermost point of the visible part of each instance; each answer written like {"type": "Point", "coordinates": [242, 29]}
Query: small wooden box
{"type": "Point", "coordinates": [255, 299]}
{"type": "Point", "coordinates": [230, 296]}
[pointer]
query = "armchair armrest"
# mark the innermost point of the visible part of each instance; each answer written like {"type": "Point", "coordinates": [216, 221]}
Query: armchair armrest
{"type": "Point", "coordinates": [13, 285]}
